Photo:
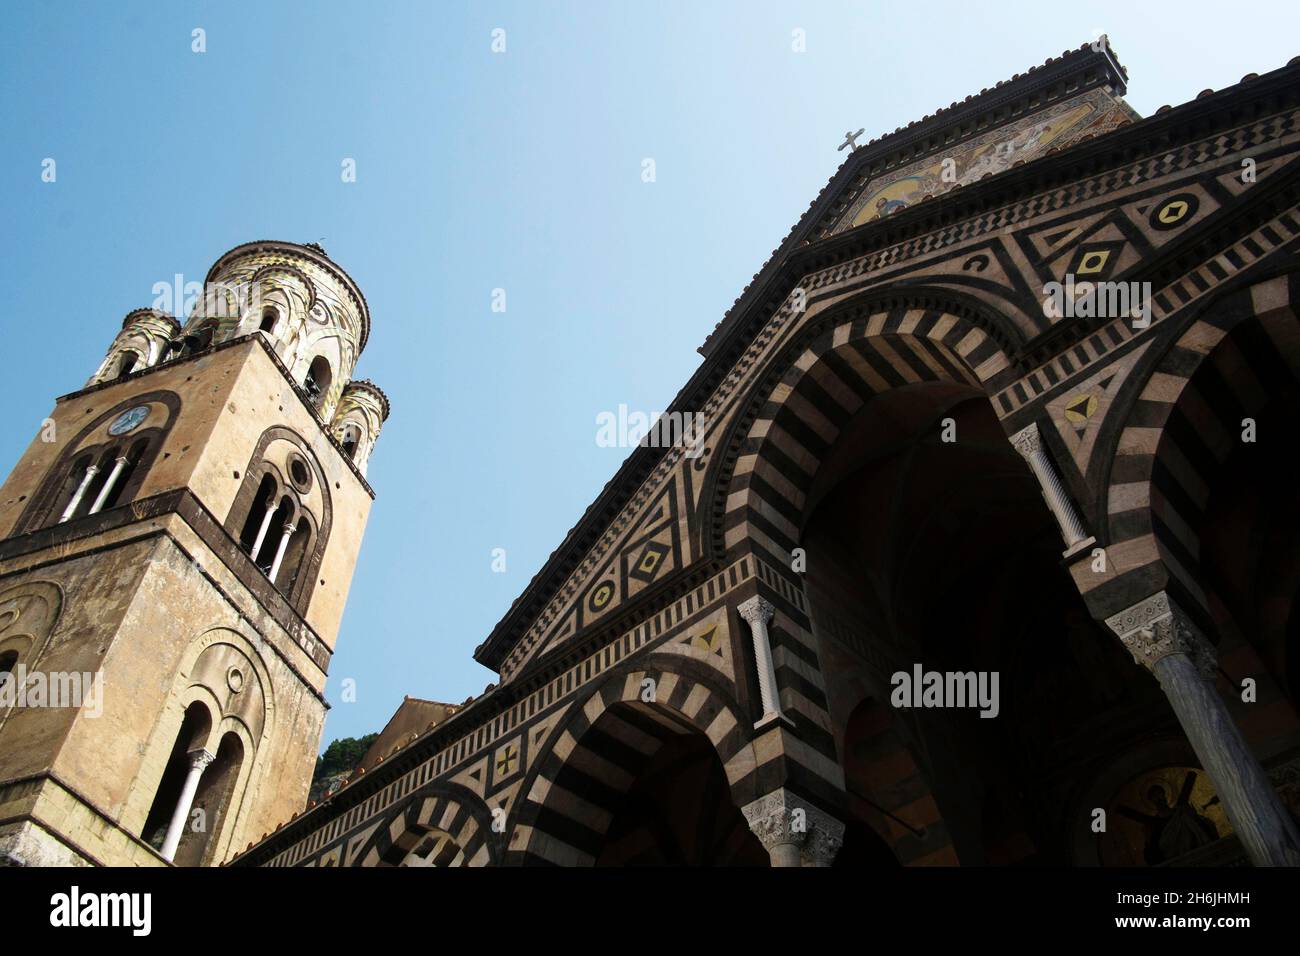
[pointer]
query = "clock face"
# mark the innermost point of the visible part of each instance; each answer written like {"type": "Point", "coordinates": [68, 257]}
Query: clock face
{"type": "Point", "coordinates": [129, 420]}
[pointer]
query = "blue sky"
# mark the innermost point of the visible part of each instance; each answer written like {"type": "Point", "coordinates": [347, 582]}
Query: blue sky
{"type": "Point", "coordinates": [475, 171]}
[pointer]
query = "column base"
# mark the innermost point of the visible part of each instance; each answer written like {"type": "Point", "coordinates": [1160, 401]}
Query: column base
{"type": "Point", "coordinates": [771, 719]}
{"type": "Point", "coordinates": [1079, 546]}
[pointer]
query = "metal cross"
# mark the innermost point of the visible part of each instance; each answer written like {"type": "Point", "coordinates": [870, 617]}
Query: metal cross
{"type": "Point", "coordinates": [851, 140]}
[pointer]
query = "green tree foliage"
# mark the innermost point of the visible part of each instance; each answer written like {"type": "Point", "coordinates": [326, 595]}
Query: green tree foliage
{"type": "Point", "coordinates": [342, 755]}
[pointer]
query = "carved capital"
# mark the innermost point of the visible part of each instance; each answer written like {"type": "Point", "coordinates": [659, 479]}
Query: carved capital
{"type": "Point", "coordinates": [780, 818]}
{"type": "Point", "coordinates": [1027, 441]}
{"type": "Point", "coordinates": [775, 823]}
{"type": "Point", "coordinates": [757, 611]}
{"type": "Point", "coordinates": [1156, 628]}
{"type": "Point", "coordinates": [199, 759]}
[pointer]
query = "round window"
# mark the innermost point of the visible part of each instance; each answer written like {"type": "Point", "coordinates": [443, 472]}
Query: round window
{"type": "Point", "coordinates": [299, 473]}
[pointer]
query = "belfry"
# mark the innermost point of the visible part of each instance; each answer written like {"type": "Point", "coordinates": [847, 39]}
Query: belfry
{"type": "Point", "coordinates": [183, 529]}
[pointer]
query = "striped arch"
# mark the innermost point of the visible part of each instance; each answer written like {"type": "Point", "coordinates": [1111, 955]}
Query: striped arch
{"type": "Point", "coordinates": [446, 824]}
{"type": "Point", "coordinates": [574, 788]}
{"type": "Point", "coordinates": [811, 391]}
{"type": "Point", "coordinates": [1241, 351]}
{"type": "Point", "coordinates": [888, 788]}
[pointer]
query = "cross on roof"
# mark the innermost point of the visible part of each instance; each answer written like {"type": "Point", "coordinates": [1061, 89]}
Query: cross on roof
{"type": "Point", "coordinates": [851, 140]}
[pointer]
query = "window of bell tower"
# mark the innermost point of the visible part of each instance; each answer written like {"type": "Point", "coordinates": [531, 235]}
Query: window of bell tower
{"type": "Point", "coordinates": [317, 382]}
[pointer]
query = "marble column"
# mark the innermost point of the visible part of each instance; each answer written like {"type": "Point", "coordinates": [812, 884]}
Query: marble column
{"type": "Point", "coordinates": [91, 472]}
{"type": "Point", "coordinates": [265, 526]}
{"type": "Point", "coordinates": [793, 832]}
{"type": "Point", "coordinates": [757, 612]}
{"type": "Point", "coordinates": [109, 482]}
{"type": "Point", "coordinates": [279, 552]}
{"type": "Point", "coordinates": [199, 760]}
{"type": "Point", "coordinates": [1029, 443]}
{"type": "Point", "coordinates": [1162, 638]}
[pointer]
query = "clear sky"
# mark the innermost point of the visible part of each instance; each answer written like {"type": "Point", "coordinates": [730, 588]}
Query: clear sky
{"type": "Point", "coordinates": [478, 170]}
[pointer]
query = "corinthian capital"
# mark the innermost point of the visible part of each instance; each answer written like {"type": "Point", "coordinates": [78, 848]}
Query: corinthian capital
{"type": "Point", "coordinates": [780, 818]}
{"type": "Point", "coordinates": [1156, 628]}
{"type": "Point", "coordinates": [756, 611]}
{"type": "Point", "coordinates": [1027, 441]}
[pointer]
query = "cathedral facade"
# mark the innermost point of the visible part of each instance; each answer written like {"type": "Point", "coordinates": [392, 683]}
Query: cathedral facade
{"type": "Point", "coordinates": [980, 548]}
{"type": "Point", "coordinates": [984, 552]}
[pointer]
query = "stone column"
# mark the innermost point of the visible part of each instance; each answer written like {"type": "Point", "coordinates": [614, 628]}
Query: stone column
{"type": "Point", "coordinates": [279, 552]}
{"type": "Point", "coordinates": [1030, 445]}
{"type": "Point", "coordinates": [1163, 639]}
{"type": "Point", "coordinates": [757, 612]}
{"type": "Point", "coordinates": [794, 833]}
{"type": "Point", "coordinates": [199, 760]}
{"type": "Point", "coordinates": [109, 482]}
{"type": "Point", "coordinates": [91, 472]}
{"type": "Point", "coordinates": [266, 525]}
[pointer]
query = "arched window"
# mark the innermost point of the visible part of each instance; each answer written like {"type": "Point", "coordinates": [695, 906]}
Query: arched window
{"type": "Point", "coordinates": [200, 338]}
{"type": "Point", "coordinates": [269, 319]}
{"type": "Point", "coordinates": [351, 440]}
{"type": "Point", "coordinates": [294, 556]}
{"type": "Point", "coordinates": [118, 486]}
{"type": "Point", "coordinates": [128, 363]}
{"type": "Point", "coordinates": [211, 800]}
{"type": "Point", "coordinates": [258, 522]}
{"type": "Point", "coordinates": [193, 733]}
{"type": "Point", "coordinates": [276, 540]}
{"type": "Point", "coordinates": [76, 480]}
{"type": "Point", "coordinates": [317, 382]}
{"type": "Point", "coordinates": [93, 482]}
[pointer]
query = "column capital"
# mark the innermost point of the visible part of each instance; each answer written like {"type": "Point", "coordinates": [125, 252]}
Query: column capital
{"type": "Point", "coordinates": [199, 759]}
{"type": "Point", "coordinates": [1027, 441]}
{"type": "Point", "coordinates": [780, 818]}
{"type": "Point", "coordinates": [1157, 627]}
{"type": "Point", "coordinates": [757, 610]}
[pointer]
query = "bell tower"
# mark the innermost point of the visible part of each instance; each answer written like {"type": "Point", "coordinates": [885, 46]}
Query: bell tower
{"type": "Point", "coordinates": [176, 548]}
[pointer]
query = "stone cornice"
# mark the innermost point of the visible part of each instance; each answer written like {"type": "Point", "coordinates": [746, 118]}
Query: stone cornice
{"type": "Point", "coordinates": [186, 505]}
